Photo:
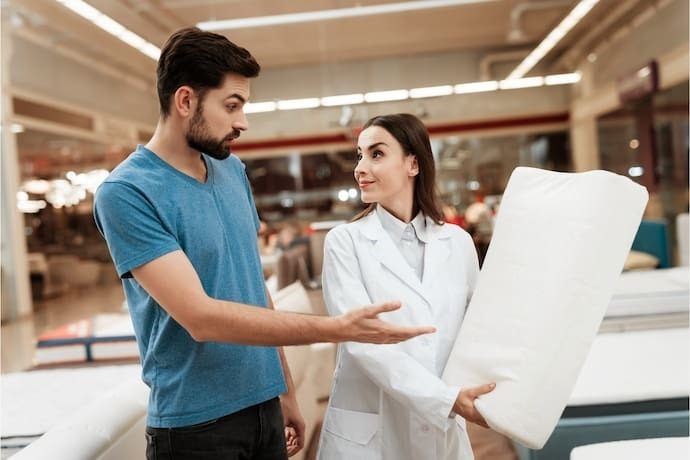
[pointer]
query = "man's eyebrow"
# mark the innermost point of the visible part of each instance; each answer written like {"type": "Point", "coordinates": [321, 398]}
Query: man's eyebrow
{"type": "Point", "coordinates": [237, 96]}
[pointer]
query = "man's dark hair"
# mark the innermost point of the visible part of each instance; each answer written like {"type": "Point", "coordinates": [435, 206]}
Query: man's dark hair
{"type": "Point", "coordinates": [201, 60]}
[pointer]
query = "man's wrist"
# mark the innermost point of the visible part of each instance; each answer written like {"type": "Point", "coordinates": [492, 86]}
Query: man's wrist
{"type": "Point", "coordinates": [331, 329]}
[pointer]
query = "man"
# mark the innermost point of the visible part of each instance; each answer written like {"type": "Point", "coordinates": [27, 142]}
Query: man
{"type": "Point", "coordinates": [180, 223]}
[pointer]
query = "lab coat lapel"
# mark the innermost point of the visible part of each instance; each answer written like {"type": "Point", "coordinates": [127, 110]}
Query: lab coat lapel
{"type": "Point", "coordinates": [385, 252]}
{"type": "Point", "coordinates": [436, 251]}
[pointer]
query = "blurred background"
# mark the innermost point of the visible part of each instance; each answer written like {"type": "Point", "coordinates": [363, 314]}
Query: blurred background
{"type": "Point", "coordinates": [565, 85]}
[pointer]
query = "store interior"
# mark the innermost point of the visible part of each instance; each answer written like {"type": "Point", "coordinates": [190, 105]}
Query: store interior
{"type": "Point", "coordinates": [78, 99]}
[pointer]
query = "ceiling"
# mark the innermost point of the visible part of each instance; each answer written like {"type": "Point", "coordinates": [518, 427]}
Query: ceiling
{"type": "Point", "coordinates": [492, 26]}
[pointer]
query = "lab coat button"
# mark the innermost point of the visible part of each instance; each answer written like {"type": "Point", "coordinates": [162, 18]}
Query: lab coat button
{"type": "Point", "coordinates": [425, 428]}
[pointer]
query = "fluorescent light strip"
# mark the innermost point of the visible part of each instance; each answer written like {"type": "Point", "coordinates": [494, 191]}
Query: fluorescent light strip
{"type": "Point", "coordinates": [343, 99]}
{"type": "Point", "coordinates": [476, 87]}
{"type": "Point", "coordinates": [386, 96]}
{"type": "Point", "coordinates": [402, 94]}
{"type": "Point", "coordinates": [111, 26]}
{"type": "Point", "coordinates": [553, 38]}
{"type": "Point", "coordinates": [515, 83]}
{"type": "Point", "coordinates": [294, 104]}
{"type": "Point", "coordinates": [431, 91]}
{"type": "Point", "coordinates": [562, 79]}
{"type": "Point", "coordinates": [257, 107]}
{"type": "Point", "coordinates": [309, 16]}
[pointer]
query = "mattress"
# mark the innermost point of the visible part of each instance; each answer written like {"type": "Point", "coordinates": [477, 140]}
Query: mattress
{"type": "Point", "coordinates": [638, 449]}
{"type": "Point", "coordinates": [636, 366]}
{"type": "Point", "coordinates": [102, 337]}
{"type": "Point", "coordinates": [651, 292]}
{"type": "Point", "coordinates": [558, 248]}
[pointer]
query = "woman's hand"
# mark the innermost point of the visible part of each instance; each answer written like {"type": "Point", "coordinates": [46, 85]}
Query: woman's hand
{"type": "Point", "coordinates": [464, 403]}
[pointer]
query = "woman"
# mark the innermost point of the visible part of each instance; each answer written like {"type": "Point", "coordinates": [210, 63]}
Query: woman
{"type": "Point", "coordinates": [388, 401]}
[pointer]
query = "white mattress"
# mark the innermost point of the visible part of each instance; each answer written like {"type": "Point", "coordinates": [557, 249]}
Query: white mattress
{"type": "Point", "coordinates": [556, 253]}
{"type": "Point", "coordinates": [635, 366]}
{"type": "Point", "coordinates": [34, 402]}
{"type": "Point", "coordinates": [651, 292]}
{"type": "Point", "coordinates": [637, 449]}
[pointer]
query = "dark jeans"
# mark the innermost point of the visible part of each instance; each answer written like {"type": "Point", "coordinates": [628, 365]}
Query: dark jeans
{"type": "Point", "coordinates": [254, 433]}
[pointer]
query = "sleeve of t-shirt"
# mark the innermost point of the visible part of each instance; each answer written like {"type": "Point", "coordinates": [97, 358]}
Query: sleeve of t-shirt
{"type": "Point", "coordinates": [131, 226]}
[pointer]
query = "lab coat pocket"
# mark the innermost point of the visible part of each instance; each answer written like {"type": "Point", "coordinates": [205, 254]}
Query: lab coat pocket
{"type": "Point", "coordinates": [351, 434]}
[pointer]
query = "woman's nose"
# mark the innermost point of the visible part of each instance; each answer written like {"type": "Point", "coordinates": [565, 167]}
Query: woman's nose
{"type": "Point", "coordinates": [360, 167]}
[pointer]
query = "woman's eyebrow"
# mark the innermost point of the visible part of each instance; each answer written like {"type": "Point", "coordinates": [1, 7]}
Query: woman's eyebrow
{"type": "Point", "coordinates": [373, 146]}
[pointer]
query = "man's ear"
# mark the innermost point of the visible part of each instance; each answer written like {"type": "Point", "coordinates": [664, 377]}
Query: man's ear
{"type": "Point", "coordinates": [184, 100]}
{"type": "Point", "coordinates": [413, 168]}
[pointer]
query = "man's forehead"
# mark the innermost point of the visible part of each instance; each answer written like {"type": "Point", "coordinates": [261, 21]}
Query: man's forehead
{"type": "Point", "coordinates": [235, 85]}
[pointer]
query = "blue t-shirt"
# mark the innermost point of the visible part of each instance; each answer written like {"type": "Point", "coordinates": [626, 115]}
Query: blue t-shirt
{"type": "Point", "coordinates": [146, 209]}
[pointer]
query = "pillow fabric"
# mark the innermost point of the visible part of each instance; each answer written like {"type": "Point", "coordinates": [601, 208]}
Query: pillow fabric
{"type": "Point", "coordinates": [556, 252]}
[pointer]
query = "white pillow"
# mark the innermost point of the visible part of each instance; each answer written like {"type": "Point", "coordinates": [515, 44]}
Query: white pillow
{"type": "Point", "coordinates": [556, 252]}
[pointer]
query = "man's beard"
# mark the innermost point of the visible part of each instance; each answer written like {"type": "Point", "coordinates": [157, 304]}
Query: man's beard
{"type": "Point", "coordinates": [199, 139]}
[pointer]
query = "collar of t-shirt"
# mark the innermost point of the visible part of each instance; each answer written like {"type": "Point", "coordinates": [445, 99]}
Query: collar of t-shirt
{"type": "Point", "coordinates": [409, 238]}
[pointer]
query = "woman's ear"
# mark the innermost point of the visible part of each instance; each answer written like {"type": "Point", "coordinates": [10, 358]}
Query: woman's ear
{"type": "Point", "coordinates": [184, 100]}
{"type": "Point", "coordinates": [413, 166]}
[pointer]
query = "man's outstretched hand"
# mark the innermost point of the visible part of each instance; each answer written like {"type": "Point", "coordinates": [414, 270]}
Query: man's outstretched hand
{"type": "Point", "coordinates": [363, 325]}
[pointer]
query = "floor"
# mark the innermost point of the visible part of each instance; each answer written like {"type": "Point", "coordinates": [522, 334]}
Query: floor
{"type": "Point", "coordinates": [18, 347]}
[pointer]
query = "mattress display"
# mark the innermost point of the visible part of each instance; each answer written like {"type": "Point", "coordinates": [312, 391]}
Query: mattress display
{"type": "Point", "coordinates": [649, 292]}
{"type": "Point", "coordinates": [638, 449]}
{"type": "Point", "coordinates": [557, 250]}
{"type": "Point", "coordinates": [635, 366]}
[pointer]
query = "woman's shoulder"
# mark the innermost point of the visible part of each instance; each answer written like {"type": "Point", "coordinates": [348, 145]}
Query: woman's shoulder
{"type": "Point", "coordinates": [347, 231]}
{"type": "Point", "coordinates": [455, 232]}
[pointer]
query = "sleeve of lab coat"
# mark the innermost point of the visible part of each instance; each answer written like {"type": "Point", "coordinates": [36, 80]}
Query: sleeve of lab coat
{"type": "Point", "coordinates": [393, 370]}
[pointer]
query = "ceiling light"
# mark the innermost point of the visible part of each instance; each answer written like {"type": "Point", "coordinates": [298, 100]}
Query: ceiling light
{"type": "Point", "coordinates": [635, 171]}
{"type": "Point", "coordinates": [111, 26]}
{"type": "Point", "coordinates": [514, 83]}
{"type": "Point", "coordinates": [580, 10]}
{"type": "Point", "coordinates": [309, 16]}
{"type": "Point", "coordinates": [343, 99]}
{"type": "Point", "coordinates": [431, 91]}
{"type": "Point", "coordinates": [257, 107]}
{"type": "Point", "coordinates": [17, 128]}
{"type": "Point", "coordinates": [402, 94]}
{"type": "Point", "coordinates": [386, 96]}
{"type": "Point", "coordinates": [293, 104]}
{"type": "Point", "coordinates": [562, 79]}
{"type": "Point", "coordinates": [476, 87]}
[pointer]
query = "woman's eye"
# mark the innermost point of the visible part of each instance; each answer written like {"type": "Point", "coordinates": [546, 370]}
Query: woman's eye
{"type": "Point", "coordinates": [358, 156]}
{"type": "Point", "coordinates": [377, 154]}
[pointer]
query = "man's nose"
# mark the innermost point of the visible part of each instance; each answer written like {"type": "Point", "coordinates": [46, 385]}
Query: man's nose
{"type": "Point", "coordinates": [241, 122]}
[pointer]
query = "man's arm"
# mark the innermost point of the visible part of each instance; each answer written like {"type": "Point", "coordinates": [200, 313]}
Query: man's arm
{"type": "Point", "coordinates": [172, 281]}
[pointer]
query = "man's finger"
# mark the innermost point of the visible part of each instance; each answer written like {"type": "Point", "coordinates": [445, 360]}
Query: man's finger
{"type": "Point", "coordinates": [375, 310]}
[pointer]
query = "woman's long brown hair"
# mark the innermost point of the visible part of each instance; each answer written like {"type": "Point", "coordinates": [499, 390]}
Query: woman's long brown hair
{"type": "Point", "coordinates": [412, 135]}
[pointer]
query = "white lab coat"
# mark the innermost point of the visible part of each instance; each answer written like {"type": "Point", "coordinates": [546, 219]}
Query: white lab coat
{"type": "Point", "coordinates": [388, 401]}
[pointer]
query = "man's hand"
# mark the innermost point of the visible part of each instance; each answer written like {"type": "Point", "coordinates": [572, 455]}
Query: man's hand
{"type": "Point", "coordinates": [363, 325]}
{"type": "Point", "coordinates": [464, 403]}
{"type": "Point", "coordinates": [294, 424]}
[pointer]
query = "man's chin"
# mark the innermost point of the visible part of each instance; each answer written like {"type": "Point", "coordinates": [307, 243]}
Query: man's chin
{"type": "Point", "coordinates": [220, 154]}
